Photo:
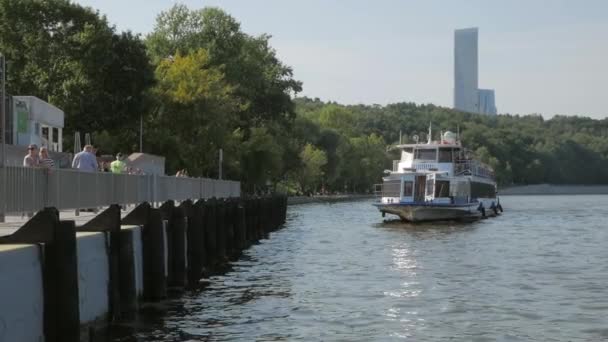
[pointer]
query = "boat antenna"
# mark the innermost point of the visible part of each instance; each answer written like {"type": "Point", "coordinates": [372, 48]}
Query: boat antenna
{"type": "Point", "coordinates": [458, 133]}
{"type": "Point", "coordinates": [400, 137]}
{"type": "Point", "coordinates": [430, 138]}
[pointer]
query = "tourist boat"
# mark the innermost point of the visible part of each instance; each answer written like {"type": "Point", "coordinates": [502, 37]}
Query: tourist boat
{"type": "Point", "coordinates": [438, 180]}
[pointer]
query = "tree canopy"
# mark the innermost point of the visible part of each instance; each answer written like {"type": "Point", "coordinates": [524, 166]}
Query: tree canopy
{"type": "Point", "coordinates": [68, 55]}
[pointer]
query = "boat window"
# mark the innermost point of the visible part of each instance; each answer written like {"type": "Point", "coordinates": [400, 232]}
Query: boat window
{"type": "Point", "coordinates": [390, 188]}
{"type": "Point", "coordinates": [442, 188]}
{"type": "Point", "coordinates": [408, 188]}
{"type": "Point", "coordinates": [482, 190]}
{"type": "Point", "coordinates": [445, 155]}
{"type": "Point", "coordinates": [426, 154]}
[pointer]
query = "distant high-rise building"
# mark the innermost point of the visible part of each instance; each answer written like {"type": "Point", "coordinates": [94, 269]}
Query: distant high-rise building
{"type": "Point", "coordinates": [486, 101]}
{"type": "Point", "coordinates": [467, 95]}
{"type": "Point", "coordinates": [465, 70]}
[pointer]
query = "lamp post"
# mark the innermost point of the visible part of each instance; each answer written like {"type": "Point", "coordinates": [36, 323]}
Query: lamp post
{"type": "Point", "coordinates": [221, 157]}
{"type": "Point", "coordinates": [3, 109]}
{"type": "Point", "coordinates": [141, 133]}
{"type": "Point", "coordinates": [2, 133]}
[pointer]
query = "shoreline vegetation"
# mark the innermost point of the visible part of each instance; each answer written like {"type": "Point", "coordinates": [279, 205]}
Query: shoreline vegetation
{"type": "Point", "coordinates": [517, 190]}
{"type": "Point", "coordinates": [295, 200]}
{"type": "Point", "coordinates": [554, 189]}
{"type": "Point", "coordinates": [200, 84]}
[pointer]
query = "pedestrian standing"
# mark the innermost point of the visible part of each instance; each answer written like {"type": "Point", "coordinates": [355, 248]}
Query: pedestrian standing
{"type": "Point", "coordinates": [44, 160]}
{"type": "Point", "coordinates": [85, 160]}
{"type": "Point", "coordinates": [31, 159]}
{"type": "Point", "coordinates": [118, 166]}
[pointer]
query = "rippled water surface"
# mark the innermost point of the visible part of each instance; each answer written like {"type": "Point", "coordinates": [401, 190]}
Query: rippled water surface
{"type": "Point", "coordinates": [338, 271]}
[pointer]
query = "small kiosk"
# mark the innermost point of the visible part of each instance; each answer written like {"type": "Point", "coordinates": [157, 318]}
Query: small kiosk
{"type": "Point", "coordinates": [37, 122]}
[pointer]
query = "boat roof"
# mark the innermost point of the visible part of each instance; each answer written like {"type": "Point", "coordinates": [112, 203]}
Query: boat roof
{"type": "Point", "coordinates": [434, 144]}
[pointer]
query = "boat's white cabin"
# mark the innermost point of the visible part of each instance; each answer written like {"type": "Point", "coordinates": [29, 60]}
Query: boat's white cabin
{"type": "Point", "coordinates": [429, 158]}
{"type": "Point", "coordinates": [438, 172]}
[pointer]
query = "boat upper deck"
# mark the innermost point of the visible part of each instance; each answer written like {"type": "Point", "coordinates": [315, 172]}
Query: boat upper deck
{"type": "Point", "coordinates": [443, 157]}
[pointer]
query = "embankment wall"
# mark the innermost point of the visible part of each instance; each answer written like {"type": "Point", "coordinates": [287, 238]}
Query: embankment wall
{"type": "Point", "coordinates": [119, 263]}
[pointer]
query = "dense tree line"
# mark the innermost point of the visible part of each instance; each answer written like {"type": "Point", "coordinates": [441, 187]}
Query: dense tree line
{"type": "Point", "coordinates": [521, 149]}
{"type": "Point", "coordinates": [201, 84]}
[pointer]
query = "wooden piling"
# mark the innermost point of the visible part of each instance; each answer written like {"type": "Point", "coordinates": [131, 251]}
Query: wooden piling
{"type": "Point", "coordinates": [231, 247]}
{"type": "Point", "coordinates": [176, 236]}
{"type": "Point", "coordinates": [221, 232]}
{"type": "Point", "coordinates": [240, 233]}
{"type": "Point", "coordinates": [153, 239]}
{"type": "Point", "coordinates": [61, 303]}
{"type": "Point", "coordinates": [108, 222]}
{"type": "Point", "coordinates": [210, 232]}
{"type": "Point", "coordinates": [129, 301]}
{"type": "Point", "coordinates": [196, 241]}
{"type": "Point", "coordinates": [60, 272]}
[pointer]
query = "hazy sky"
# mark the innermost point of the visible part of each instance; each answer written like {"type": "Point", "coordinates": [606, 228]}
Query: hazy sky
{"type": "Point", "coordinates": [540, 56]}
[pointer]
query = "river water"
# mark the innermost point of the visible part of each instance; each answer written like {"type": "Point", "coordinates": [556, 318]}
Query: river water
{"type": "Point", "coordinates": [338, 272]}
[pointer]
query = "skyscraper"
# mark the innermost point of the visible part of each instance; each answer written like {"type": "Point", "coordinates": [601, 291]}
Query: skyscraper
{"type": "Point", "coordinates": [465, 70]}
{"type": "Point", "coordinates": [467, 95]}
{"type": "Point", "coordinates": [486, 101]}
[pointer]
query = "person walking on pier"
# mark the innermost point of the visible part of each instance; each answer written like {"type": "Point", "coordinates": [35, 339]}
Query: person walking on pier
{"type": "Point", "coordinates": [118, 166]}
{"type": "Point", "coordinates": [31, 159]}
{"type": "Point", "coordinates": [85, 160]}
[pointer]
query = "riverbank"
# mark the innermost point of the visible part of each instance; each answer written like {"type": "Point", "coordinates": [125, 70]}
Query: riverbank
{"type": "Point", "coordinates": [551, 189]}
{"type": "Point", "coordinates": [295, 200]}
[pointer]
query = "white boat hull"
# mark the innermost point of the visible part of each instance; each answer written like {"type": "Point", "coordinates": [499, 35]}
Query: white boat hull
{"type": "Point", "coordinates": [429, 212]}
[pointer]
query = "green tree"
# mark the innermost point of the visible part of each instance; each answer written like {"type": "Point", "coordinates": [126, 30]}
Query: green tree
{"type": "Point", "coordinates": [68, 55]}
{"type": "Point", "coordinates": [310, 173]}
{"type": "Point", "coordinates": [193, 114]}
{"type": "Point", "coordinates": [262, 83]}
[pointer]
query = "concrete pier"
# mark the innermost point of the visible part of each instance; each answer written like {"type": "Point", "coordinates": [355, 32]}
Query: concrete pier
{"type": "Point", "coordinates": [65, 280]}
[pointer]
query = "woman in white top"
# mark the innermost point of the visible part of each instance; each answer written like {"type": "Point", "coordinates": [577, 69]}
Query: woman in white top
{"type": "Point", "coordinates": [44, 160]}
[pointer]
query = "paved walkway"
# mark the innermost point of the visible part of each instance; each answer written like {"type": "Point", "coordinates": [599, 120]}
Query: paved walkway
{"type": "Point", "coordinates": [14, 222]}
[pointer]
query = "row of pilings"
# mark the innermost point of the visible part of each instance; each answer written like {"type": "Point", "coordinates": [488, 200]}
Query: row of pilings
{"type": "Point", "coordinates": [181, 245]}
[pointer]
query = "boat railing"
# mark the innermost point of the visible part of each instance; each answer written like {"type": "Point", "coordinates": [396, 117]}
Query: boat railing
{"type": "Point", "coordinates": [472, 167]}
{"type": "Point", "coordinates": [425, 166]}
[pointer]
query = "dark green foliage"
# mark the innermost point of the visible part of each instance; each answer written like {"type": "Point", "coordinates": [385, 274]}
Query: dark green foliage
{"type": "Point", "coordinates": [69, 55]}
{"type": "Point", "coordinates": [522, 149]}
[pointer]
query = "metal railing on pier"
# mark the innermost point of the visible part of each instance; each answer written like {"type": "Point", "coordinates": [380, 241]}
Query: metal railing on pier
{"type": "Point", "coordinates": [31, 189]}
